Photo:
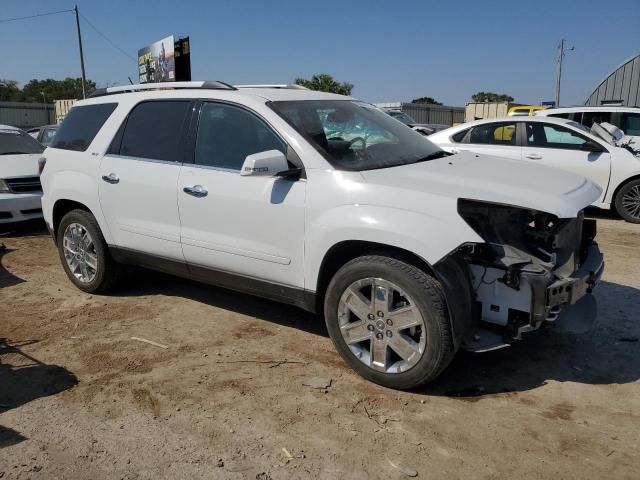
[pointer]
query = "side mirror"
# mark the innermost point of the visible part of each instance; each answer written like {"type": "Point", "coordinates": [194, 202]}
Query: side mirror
{"type": "Point", "coordinates": [264, 164]}
{"type": "Point", "coordinates": [591, 146]}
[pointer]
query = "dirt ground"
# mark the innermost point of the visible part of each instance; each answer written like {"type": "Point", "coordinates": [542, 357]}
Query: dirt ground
{"type": "Point", "coordinates": [252, 389]}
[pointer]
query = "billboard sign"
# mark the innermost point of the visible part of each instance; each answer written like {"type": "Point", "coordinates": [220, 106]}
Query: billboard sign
{"type": "Point", "coordinates": [156, 63]}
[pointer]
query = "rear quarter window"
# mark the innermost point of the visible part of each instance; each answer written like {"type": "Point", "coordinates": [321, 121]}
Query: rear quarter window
{"type": "Point", "coordinates": [81, 125]}
{"type": "Point", "coordinates": [459, 137]}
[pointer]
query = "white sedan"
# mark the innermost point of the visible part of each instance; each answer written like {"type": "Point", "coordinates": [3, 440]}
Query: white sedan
{"type": "Point", "coordinates": [20, 189]}
{"type": "Point", "coordinates": [558, 143]}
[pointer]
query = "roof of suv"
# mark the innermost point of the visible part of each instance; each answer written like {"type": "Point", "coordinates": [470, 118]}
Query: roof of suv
{"type": "Point", "coordinates": [590, 108]}
{"type": "Point", "coordinates": [211, 90]}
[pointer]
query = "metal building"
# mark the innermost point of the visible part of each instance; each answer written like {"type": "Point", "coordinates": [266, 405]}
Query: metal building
{"type": "Point", "coordinates": [427, 113]}
{"type": "Point", "coordinates": [26, 115]}
{"type": "Point", "coordinates": [622, 86]}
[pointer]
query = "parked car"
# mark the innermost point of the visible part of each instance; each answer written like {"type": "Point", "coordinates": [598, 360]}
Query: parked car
{"type": "Point", "coordinates": [20, 189]}
{"type": "Point", "coordinates": [625, 118]}
{"type": "Point", "coordinates": [44, 134]}
{"type": "Point", "coordinates": [558, 143]}
{"type": "Point", "coordinates": [423, 128]}
{"type": "Point", "coordinates": [525, 110]}
{"type": "Point", "coordinates": [327, 203]}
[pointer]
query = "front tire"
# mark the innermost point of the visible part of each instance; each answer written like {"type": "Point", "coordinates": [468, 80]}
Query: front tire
{"type": "Point", "coordinates": [627, 201]}
{"type": "Point", "coordinates": [389, 321]}
{"type": "Point", "coordinates": [84, 253]}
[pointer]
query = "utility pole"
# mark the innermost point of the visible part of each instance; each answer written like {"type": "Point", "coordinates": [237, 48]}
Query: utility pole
{"type": "Point", "coordinates": [559, 72]}
{"type": "Point", "coordinates": [84, 79]}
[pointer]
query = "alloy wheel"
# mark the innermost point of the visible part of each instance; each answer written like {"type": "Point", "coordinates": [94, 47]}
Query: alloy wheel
{"type": "Point", "coordinates": [631, 202]}
{"type": "Point", "coordinates": [381, 325]}
{"type": "Point", "coordinates": [80, 252]}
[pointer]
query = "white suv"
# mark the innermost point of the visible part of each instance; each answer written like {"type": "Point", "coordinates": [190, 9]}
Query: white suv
{"type": "Point", "coordinates": [326, 203]}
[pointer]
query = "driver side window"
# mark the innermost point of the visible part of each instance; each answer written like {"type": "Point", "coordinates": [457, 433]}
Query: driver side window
{"type": "Point", "coordinates": [227, 134]}
{"type": "Point", "coordinates": [553, 136]}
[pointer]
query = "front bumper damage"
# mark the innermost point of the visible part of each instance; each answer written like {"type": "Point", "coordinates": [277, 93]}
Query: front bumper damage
{"type": "Point", "coordinates": [513, 292]}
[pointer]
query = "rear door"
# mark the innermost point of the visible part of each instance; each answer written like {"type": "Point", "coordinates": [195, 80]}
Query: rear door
{"type": "Point", "coordinates": [560, 147]}
{"type": "Point", "coordinates": [496, 138]}
{"type": "Point", "coordinates": [139, 175]}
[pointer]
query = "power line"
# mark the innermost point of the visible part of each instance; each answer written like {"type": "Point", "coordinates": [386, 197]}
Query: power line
{"type": "Point", "coordinates": [108, 39]}
{"type": "Point", "coordinates": [4, 20]}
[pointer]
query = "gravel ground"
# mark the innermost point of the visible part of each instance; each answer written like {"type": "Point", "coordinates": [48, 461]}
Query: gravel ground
{"type": "Point", "coordinates": [247, 388]}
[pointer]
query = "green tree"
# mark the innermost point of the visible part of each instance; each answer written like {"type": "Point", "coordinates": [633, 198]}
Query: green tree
{"type": "Point", "coordinates": [491, 97]}
{"type": "Point", "coordinates": [50, 89]}
{"type": "Point", "coordinates": [324, 82]}
{"type": "Point", "coordinates": [426, 100]}
{"type": "Point", "coordinates": [9, 91]}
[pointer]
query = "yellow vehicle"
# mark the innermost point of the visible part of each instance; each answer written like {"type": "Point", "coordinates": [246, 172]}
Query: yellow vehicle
{"type": "Point", "coordinates": [524, 110]}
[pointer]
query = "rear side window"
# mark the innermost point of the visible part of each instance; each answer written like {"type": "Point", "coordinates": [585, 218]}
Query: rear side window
{"type": "Point", "coordinates": [589, 118]}
{"type": "Point", "coordinates": [458, 137]}
{"type": "Point", "coordinates": [81, 125]}
{"type": "Point", "coordinates": [494, 134]}
{"type": "Point", "coordinates": [154, 130]}
{"type": "Point", "coordinates": [631, 123]}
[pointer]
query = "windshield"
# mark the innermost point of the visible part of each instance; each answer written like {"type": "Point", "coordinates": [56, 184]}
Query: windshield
{"type": "Point", "coordinates": [355, 136]}
{"type": "Point", "coordinates": [47, 136]}
{"type": "Point", "coordinates": [14, 142]}
{"type": "Point", "coordinates": [403, 117]}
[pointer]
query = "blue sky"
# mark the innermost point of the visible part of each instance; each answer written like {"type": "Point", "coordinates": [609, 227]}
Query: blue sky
{"type": "Point", "coordinates": [390, 50]}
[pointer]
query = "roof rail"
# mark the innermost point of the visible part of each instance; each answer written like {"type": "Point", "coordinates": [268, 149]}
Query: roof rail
{"type": "Point", "coordinates": [209, 84]}
{"type": "Point", "coordinates": [291, 86]}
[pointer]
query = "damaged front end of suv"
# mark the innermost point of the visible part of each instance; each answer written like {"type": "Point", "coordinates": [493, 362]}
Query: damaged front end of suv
{"type": "Point", "coordinates": [532, 268]}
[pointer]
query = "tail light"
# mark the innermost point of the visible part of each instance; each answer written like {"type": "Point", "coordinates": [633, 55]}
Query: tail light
{"type": "Point", "coordinates": [42, 161]}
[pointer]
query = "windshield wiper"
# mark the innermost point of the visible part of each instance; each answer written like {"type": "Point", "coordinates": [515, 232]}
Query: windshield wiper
{"type": "Point", "coordinates": [433, 156]}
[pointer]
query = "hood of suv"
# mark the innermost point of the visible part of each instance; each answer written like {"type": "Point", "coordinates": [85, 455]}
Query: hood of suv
{"type": "Point", "coordinates": [20, 165]}
{"type": "Point", "coordinates": [493, 179]}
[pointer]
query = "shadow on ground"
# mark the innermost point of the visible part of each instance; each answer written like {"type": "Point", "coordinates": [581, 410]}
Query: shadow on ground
{"type": "Point", "coordinates": [140, 281]}
{"type": "Point", "coordinates": [600, 213]}
{"type": "Point", "coordinates": [23, 379]}
{"type": "Point", "coordinates": [7, 279]}
{"type": "Point", "coordinates": [28, 228]}
{"type": "Point", "coordinates": [609, 353]}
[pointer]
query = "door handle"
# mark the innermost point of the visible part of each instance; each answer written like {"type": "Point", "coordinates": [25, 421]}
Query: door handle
{"type": "Point", "coordinates": [533, 156]}
{"type": "Point", "coordinates": [111, 178]}
{"type": "Point", "coordinates": [197, 191]}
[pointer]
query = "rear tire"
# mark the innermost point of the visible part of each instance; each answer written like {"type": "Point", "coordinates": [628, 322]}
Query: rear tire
{"type": "Point", "coordinates": [84, 253]}
{"type": "Point", "coordinates": [400, 336]}
{"type": "Point", "coordinates": [627, 201]}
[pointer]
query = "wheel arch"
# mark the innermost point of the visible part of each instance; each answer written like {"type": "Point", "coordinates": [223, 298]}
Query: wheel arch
{"type": "Point", "coordinates": [449, 271]}
{"type": "Point", "coordinates": [63, 206]}
{"type": "Point", "coordinates": [620, 186]}
{"type": "Point", "coordinates": [346, 250]}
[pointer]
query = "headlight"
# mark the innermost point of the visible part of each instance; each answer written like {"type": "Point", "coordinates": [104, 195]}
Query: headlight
{"type": "Point", "coordinates": [528, 230]}
{"type": "Point", "coordinates": [4, 188]}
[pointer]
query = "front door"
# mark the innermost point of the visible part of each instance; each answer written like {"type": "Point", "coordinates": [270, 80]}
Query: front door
{"type": "Point", "coordinates": [561, 147]}
{"type": "Point", "coordinates": [139, 175]}
{"type": "Point", "coordinates": [244, 226]}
